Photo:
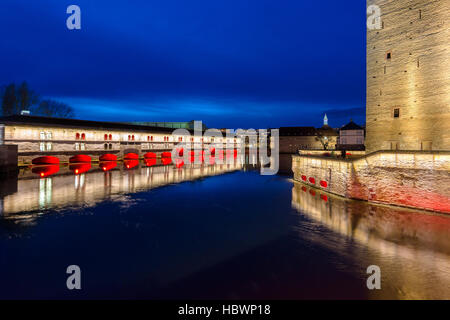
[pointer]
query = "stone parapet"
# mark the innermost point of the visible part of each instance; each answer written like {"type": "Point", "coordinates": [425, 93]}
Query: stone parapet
{"type": "Point", "coordinates": [414, 179]}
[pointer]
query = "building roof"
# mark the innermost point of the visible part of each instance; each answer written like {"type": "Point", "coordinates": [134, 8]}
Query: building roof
{"type": "Point", "coordinates": [351, 126]}
{"type": "Point", "coordinates": [297, 131]}
{"type": "Point", "coordinates": [75, 123]}
{"type": "Point", "coordinates": [326, 130]}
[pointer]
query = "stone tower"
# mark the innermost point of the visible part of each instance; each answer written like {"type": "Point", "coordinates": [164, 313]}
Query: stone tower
{"type": "Point", "coordinates": [408, 76]}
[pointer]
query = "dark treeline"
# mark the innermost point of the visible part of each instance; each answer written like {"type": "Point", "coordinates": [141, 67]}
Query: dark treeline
{"type": "Point", "coordinates": [18, 98]}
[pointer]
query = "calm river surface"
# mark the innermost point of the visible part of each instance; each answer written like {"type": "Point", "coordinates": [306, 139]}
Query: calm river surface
{"type": "Point", "coordinates": [209, 231]}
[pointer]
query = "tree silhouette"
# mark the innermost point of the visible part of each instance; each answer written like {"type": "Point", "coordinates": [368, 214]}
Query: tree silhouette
{"type": "Point", "coordinates": [16, 99]}
{"type": "Point", "coordinates": [52, 108]}
{"type": "Point", "coordinates": [9, 100]}
{"type": "Point", "coordinates": [26, 98]}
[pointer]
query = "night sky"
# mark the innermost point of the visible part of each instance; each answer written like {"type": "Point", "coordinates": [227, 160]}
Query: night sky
{"type": "Point", "coordinates": [233, 63]}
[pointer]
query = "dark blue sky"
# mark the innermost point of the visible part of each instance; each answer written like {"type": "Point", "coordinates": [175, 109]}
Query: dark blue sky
{"type": "Point", "coordinates": [232, 63]}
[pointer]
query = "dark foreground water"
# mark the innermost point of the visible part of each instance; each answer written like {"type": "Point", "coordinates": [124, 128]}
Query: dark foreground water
{"type": "Point", "coordinates": [210, 232]}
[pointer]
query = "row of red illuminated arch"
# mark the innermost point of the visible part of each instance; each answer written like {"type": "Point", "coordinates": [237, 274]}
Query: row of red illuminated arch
{"type": "Point", "coordinates": [312, 180]}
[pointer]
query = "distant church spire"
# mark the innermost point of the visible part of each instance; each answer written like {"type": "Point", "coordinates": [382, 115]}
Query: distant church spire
{"type": "Point", "coordinates": [325, 120]}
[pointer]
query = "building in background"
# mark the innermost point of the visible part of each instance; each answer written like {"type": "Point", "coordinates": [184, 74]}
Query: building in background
{"type": "Point", "coordinates": [293, 139]}
{"type": "Point", "coordinates": [63, 138]}
{"type": "Point", "coordinates": [408, 77]}
{"type": "Point", "coordinates": [172, 125]}
{"type": "Point", "coordinates": [351, 137]}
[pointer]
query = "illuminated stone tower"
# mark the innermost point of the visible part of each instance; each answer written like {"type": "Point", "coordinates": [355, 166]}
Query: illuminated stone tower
{"type": "Point", "coordinates": [408, 76]}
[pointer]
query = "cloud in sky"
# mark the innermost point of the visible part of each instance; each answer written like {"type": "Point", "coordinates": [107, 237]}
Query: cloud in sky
{"type": "Point", "coordinates": [228, 63]}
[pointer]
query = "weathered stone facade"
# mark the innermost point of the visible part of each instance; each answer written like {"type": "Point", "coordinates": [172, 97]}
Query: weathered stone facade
{"type": "Point", "coordinates": [414, 179]}
{"type": "Point", "coordinates": [408, 76]}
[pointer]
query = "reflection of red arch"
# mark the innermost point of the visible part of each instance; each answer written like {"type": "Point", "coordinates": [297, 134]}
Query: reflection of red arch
{"type": "Point", "coordinates": [150, 162]}
{"type": "Point", "coordinates": [46, 160]}
{"type": "Point", "coordinates": [180, 152]}
{"type": "Point", "coordinates": [150, 155]}
{"type": "Point", "coordinates": [108, 165]}
{"type": "Point", "coordinates": [312, 180]}
{"type": "Point", "coordinates": [80, 158]}
{"type": "Point", "coordinates": [166, 154]}
{"type": "Point", "coordinates": [131, 156]}
{"type": "Point", "coordinates": [130, 164]}
{"type": "Point", "coordinates": [108, 157]}
{"type": "Point", "coordinates": [179, 163]}
{"type": "Point", "coordinates": [212, 151]}
{"type": "Point", "coordinates": [80, 167]}
{"type": "Point", "coordinates": [165, 161]}
{"type": "Point", "coordinates": [45, 171]}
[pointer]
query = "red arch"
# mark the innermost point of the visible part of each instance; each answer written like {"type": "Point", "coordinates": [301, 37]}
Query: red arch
{"type": "Point", "coordinates": [108, 157]}
{"type": "Point", "coordinates": [80, 158]}
{"type": "Point", "coordinates": [149, 155]}
{"type": "Point", "coordinates": [131, 156]}
{"type": "Point", "coordinates": [46, 160]}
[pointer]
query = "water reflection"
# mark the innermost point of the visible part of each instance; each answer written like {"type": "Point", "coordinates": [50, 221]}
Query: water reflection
{"type": "Point", "coordinates": [411, 247]}
{"type": "Point", "coordinates": [50, 187]}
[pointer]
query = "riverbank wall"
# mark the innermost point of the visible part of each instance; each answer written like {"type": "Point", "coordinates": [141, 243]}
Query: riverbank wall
{"type": "Point", "coordinates": [417, 179]}
{"type": "Point", "coordinates": [8, 159]}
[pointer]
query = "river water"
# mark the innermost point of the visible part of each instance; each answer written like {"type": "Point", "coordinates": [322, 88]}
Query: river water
{"type": "Point", "coordinates": [210, 232]}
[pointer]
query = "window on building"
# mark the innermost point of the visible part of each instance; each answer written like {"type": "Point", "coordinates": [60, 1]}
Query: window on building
{"type": "Point", "coordinates": [77, 146]}
{"type": "Point", "coordinates": [42, 135]}
{"type": "Point", "coordinates": [106, 136]}
{"type": "Point", "coordinates": [110, 137]}
{"type": "Point", "coordinates": [49, 146]}
{"type": "Point", "coordinates": [106, 146]}
{"type": "Point", "coordinates": [110, 146]}
{"type": "Point", "coordinates": [77, 136]}
{"type": "Point", "coordinates": [396, 113]}
{"type": "Point", "coordinates": [42, 146]}
{"type": "Point", "coordinates": [82, 146]}
{"type": "Point", "coordinates": [49, 135]}
{"type": "Point", "coordinates": [389, 55]}
{"type": "Point", "coordinates": [132, 137]}
{"type": "Point", "coordinates": [394, 145]}
{"type": "Point", "coordinates": [426, 145]}
{"type": "Point", "coordinates": [83, 136]}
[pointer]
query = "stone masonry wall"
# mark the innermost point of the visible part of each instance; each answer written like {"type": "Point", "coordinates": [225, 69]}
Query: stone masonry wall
{"type": "Point", "coordinates": [408, 68]}
{"type": "Point", "coordinates": [412, 179]}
